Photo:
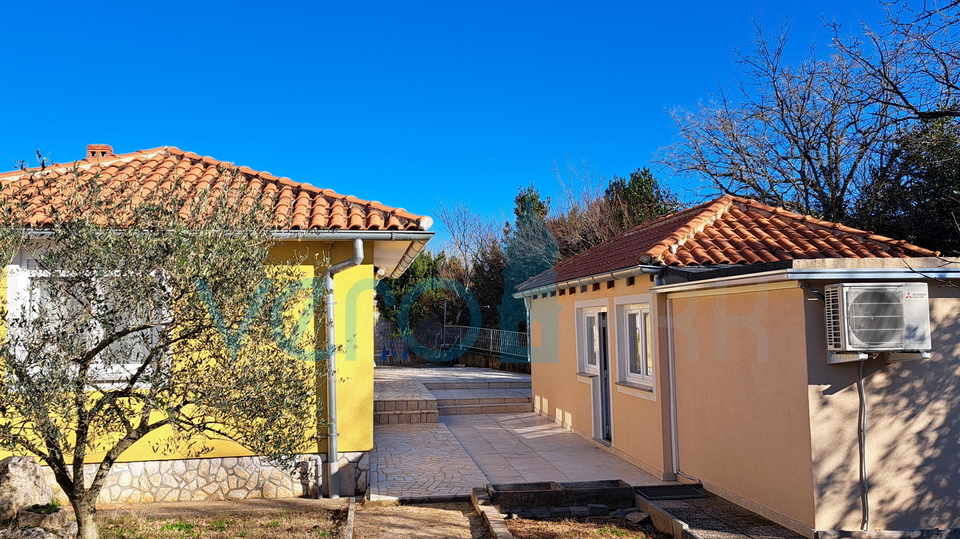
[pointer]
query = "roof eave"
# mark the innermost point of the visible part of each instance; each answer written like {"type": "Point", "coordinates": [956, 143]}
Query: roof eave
{"type": "Point", "coordinates": [632, 271]}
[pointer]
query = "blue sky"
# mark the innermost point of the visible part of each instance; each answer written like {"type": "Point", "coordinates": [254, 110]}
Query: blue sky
{"type": "Point", "coordinates": [403, 102]}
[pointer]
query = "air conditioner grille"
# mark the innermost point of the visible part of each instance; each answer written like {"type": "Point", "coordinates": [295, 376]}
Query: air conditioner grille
{"type": "Point", "coordinates": [876, 318]}
{"type": "Point", "coordinates": [834, 323]}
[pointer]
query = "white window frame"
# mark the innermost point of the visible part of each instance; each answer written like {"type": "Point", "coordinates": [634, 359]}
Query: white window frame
{"type": "Point", "coordinates": [640, 306]}
{"type": "Point", "coordinates": [20, 272]}
{"type": "Point", "coordinates": [586, 310]}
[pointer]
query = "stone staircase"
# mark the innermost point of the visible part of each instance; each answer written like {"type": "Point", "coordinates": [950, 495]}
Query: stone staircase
{"type": "Point", "coordinates": [406, 400]}
{"type": "Point", "coordinates": [458, 398]}
{"type": "Point", "coordinates": [390, 412]}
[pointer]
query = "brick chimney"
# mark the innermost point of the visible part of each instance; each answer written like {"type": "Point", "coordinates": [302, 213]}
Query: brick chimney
{"type": "Point", "coordinates": [99, 150]}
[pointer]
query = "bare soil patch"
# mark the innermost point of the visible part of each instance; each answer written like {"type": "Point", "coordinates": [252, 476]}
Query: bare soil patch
{"type": "Point", "coordinates": [576, 528]}
{"type": "Point", "coordinates": [427, 521]}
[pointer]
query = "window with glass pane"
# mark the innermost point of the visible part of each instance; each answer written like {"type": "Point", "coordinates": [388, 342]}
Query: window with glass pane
{"type": "Point", "coordinates": [637, 354]}
{"type": "Point", "coordinates": [73, 319]}
{"type": "Point", "coordinates": [634, 340]}
{"type": "Point", "coordinates": [591, 323]}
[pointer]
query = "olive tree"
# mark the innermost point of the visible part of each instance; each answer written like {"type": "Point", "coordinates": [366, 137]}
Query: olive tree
{"type": "Point", "coordinates": [136, 313]}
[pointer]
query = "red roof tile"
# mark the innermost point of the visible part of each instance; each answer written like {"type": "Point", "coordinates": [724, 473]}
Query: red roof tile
{"type": "Point", "coordinates": [296, 206]}
{"type": "Point", "coordinates": [728, 230]}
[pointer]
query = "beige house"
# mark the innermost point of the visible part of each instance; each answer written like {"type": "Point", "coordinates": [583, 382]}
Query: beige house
{"type": "Point", "coordinates": [696, 347]}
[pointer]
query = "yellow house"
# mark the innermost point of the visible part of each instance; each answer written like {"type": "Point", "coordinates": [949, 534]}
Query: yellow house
{"type": "Point", "coordinates": [725, 345]}
{"type": "Point", "coordinates": [363, 241]}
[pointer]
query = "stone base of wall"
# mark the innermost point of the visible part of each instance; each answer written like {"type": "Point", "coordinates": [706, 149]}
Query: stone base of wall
{"type": "Point", "coordinates": [213, 479]}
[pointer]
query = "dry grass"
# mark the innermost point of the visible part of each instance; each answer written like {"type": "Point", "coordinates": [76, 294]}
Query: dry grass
{"type": "Point", "coordinates": [426, 521]}
{"type": "Point", "coordinates": [313, 525]}
{"type": "Point", "coordinates": [590, 527]}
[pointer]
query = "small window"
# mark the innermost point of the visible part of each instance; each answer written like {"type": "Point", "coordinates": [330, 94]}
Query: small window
{"type": "Point", "coordinates": [583, 289]}
{"type": "Point", "coordinates": [589, 339]}
{"type": "Point", "coordinates": [636, 351]}
{"type": "Point", "coordinates": [563, 291]}
{"type": "Point", "coordinates": [611, 284]}
{"type": "Point", "coordinates": [38, 296]}
{"type": "Point", "coordinates": [631, 280]}
{"type": "Point", "coordinates": [596, 286]}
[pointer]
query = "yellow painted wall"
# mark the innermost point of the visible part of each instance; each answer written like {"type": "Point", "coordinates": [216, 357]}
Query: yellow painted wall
{"type": "Point", "coordinates": [355, 308]}
{"type": "Point", "coordinates": [558, 393]}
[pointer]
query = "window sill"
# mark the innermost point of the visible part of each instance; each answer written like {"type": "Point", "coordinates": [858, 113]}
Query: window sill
{"type": "Point", "coordinates": [586, 377]}
{"type": "Point", "coordinates": [636, 390]}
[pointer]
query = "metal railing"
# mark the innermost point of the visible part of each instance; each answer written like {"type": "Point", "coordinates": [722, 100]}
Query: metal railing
{"type": "Point", "coordinates": [496, 341]}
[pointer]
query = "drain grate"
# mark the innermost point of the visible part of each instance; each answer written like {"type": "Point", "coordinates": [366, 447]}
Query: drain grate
{"type": "Point", "coordinates": [671, 492]}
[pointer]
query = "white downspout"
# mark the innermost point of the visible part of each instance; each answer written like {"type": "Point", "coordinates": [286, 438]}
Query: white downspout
{"type": "Point", "coordinates": [672, 378]}
{"type": "Point", "coordinates": [333, 461]}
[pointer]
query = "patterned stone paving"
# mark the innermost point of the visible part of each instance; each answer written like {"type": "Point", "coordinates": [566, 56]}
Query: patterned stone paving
{"type": "Point", "coordinates": [434, 461]}
{"type": "Point", "coordinates": [420, 461]}
{"type": "Point", "coordinates": [396, 383]}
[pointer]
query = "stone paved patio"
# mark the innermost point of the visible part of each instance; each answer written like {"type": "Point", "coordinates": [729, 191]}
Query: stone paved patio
{"type": "Point", "coordinates": [437, 461]}
{"type": "Point", "coordinates": [420, 461]}
{"type": "Point", "coordinates": [392, 383]}
{"type": "Point", "coordinates": [523, 448]}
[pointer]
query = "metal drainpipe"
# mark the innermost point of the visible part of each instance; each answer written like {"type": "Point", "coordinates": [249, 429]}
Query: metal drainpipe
{"type": "Point", "coordinates": [333, 461]}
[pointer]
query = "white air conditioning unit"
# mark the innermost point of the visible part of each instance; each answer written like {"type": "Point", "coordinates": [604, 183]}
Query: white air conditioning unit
{"type": "Point", "coordinates": [865, 318]}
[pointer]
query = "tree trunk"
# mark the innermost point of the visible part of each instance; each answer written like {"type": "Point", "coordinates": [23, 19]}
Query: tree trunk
{"type": "Point", "coordinates": [87, 528]}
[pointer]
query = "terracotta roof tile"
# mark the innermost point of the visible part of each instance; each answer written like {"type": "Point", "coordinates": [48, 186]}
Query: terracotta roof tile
{"type": "Point", "coordinates": [728, 230]}
{"type": "Point", "coordinates": [296, 206]}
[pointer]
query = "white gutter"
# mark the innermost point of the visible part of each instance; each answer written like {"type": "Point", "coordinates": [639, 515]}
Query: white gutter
{"type": "Point", "coordinates": [418, 240]}
{"type": "Point", "coordinates": [333, 460]}
{"type": "Point", "coordinates": [343, 235]}
{"type": "Point", "coordinates": [734, 280]}
{"type": "Point", "coordinates": [328, 235]}
{"type": "Point", "coordinates": [810, 274]}
{"type": "Point", "coordinates": [899, 274]}
{"type": "Point", "coordinates": [590, 279]}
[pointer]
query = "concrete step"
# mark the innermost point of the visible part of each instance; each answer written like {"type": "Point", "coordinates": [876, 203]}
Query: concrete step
{"type": "Point", "coordinates": [477, 385]}
{"type": "Point", "coordinates": [406, 416]}
{"type": "Point", "coordinates": [397, 411]}
{"type": "Point", "coordinates": [501, 408]}
{"type": "Point", "coordinates": [403, 405]}
{"type": "Point", "coordinates": [481, 400]}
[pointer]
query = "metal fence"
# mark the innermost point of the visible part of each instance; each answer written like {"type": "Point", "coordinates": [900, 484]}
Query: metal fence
{"type": "Point", "coordinates": [495, 341]}
{"type": "Point", "coordinates": [391, 348]}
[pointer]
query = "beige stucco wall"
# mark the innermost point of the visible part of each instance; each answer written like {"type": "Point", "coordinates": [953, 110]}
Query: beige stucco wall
{"type": "Point", "coordinates": [742, 416]}
{"type": "Point", "coordinates": [558, 393]}
{"type": "Point", "coordinates": [913, 431]}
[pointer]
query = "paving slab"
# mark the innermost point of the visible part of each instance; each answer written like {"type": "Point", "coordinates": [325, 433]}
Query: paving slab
{"type": "Point", "coordinates": [526, 447]}
{"type": "Point", "coordinates": [394, 383]}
